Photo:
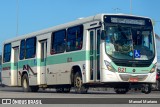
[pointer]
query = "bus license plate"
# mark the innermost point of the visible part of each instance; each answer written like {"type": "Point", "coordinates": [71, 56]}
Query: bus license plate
{"type": "Point", "coordinates": [133, 79]}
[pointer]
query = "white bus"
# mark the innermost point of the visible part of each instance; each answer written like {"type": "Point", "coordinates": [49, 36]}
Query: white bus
{"type": "Point", "coordinates": [105, 50]}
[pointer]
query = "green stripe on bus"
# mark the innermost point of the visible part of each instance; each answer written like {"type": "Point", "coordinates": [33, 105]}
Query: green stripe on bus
{"type": "Point", "coordinates": [30, 62]}
{"type": "Point", "coordinates": [63, 58]}
{"type": "Point", "coordinates": [6, 65]}
{"type": "Point", "coordinates": [9, 66]}
{"type": "Point", "coordinates": [54, 59]}
{"type": "Point", "coordinates": [71, 57]}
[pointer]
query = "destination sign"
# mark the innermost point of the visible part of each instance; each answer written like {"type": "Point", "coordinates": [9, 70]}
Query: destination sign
{"type": "Point", "coordinates": [127, 21]}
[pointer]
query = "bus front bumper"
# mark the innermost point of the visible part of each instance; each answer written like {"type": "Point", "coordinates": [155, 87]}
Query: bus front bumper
{"type": "Point", "coordinates": [108, 76]}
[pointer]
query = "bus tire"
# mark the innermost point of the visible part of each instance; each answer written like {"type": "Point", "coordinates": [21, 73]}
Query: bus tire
{"type": "Point", "coordinates": [25, 83]}
{"type": "Point", "coordinates": [78, 84]}
{"type": "Point", "coordinates": [147, 88]}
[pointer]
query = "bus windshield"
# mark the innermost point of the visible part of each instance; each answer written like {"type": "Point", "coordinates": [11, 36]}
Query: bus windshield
{"type": "Point", "coordinates": [129, 42]}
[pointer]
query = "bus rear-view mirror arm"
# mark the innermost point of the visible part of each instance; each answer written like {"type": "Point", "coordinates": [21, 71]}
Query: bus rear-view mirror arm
{"type": "Point", "coordinates": [103, 34]}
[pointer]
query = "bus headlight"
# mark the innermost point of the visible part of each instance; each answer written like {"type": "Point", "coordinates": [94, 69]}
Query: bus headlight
{"type": "Point", "coordinates": [109, 66]}
{"type": "Point", "coordinates": [153, 69]}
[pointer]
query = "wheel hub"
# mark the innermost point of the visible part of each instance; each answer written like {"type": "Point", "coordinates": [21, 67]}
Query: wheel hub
{"type": "Point", "coordinates": [78, 82]}
{"type": "Point", "coordinates": [25, 83]}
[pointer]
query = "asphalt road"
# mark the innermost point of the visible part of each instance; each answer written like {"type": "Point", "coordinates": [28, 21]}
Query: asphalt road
{"type": "Point", "coordinates": [16, 92]}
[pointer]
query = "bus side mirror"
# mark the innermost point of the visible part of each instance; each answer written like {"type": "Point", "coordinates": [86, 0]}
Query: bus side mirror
{"type": "Point", "coordinates": [103, 34]}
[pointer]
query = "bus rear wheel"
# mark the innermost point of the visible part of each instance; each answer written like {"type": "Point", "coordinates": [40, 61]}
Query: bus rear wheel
{"type": "Point", "coordinates": [25, 85]}
{"type": "Point", "coordinates": [78, 84]}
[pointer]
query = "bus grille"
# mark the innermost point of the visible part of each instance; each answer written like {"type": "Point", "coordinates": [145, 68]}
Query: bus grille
{"type": "Point", "coordinates": [126, 77]}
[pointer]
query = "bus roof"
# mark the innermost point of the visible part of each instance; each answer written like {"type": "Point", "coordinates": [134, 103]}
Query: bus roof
{"type": "Point", "coordinates": [79, 21]}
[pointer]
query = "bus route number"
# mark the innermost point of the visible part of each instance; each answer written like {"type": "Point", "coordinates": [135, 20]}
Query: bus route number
{"type": "Point", "coordinates": [121, 69]}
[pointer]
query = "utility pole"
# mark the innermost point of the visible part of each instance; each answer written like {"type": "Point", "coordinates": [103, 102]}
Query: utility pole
{"type": "Point", "coordinates": [130, 6]}
{"type": "Point", "coordinates": [17, 18]}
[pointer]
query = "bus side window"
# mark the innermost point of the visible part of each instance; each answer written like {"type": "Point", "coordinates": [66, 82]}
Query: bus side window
{"type": "Point", "coordinates": [22, 49]}
{"type": "Point", "coordinates": [58, 42]}
{"type": "Point", "coordinates": [30, 47]}
{"type": "Point", "coordinates": [7, 53]}
{"type": "Point", "coordinates": [75, 38]}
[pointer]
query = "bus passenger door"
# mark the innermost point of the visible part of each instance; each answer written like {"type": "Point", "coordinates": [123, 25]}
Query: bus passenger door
{"type": "Point", "coordinates": [94, 54]}
{"type": "Point", "coordinates": [43, 57]}
{"type": "Point", "coordinates": [15, 77]}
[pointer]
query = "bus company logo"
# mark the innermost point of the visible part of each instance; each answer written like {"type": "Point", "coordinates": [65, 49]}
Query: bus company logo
{"type": "Point", "coordinates": [134, 70]}
{"type": "Point", "coordinates": [21, 101]}
{"type": "Point", "coordinates": [6, 101]}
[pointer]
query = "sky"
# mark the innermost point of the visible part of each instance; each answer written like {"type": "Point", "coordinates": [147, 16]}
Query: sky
{"type": "Point", "coordinates": [34, 15]}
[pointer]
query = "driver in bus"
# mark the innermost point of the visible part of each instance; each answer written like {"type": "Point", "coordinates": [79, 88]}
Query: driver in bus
{"type": "Point", "coordinates": [110, 44]}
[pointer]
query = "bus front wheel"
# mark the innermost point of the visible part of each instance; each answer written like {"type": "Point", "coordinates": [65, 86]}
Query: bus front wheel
{"type": "Point", "coordinates": [146, 88]}
{"type": "Point", "coordinates": [78, 84]}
